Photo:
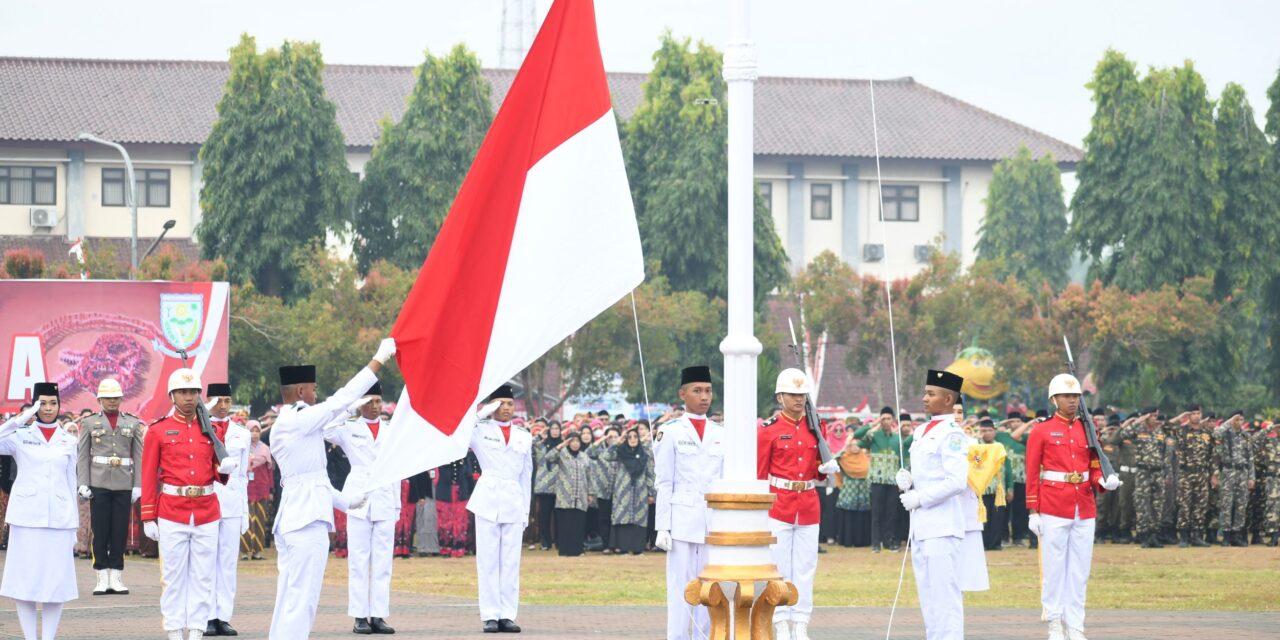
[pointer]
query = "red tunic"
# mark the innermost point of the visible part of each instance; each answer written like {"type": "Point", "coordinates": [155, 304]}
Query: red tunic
{"type": "Point", "coordinates": [1056, 446]}
{"type": "Point", "coordinates": [176, 452]}
{"type": "Point", "coordinates": [789, 450]}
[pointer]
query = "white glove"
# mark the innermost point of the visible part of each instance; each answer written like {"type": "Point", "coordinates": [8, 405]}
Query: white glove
{"type": "Point", "coordinates": [137, 493]}
{"type": "Point", "coordinates": [910, 500]}
{"type": "Point", "coordinates": [663, 541]}
{"type": "Point", "coordinates": [85, 492]}
{"type": "Point", "coordinates": [31, 411]}
{"type": "Point", "coordinates": [151, 530]}
{"type": "Point", "coordinates": [244, 525]}
{"type": "Point", "coordinates": [903, 478]}
{"type": "Point", "coordinates": [360, 402]}
{"type": "Point", "coordinates": [229, 465]}
{"type": "Point", "coordinates": [488, 409]}
{"type": "Point", "coordinates": [829, 467]}
{"type": "Point", "coordinates": [208, 406]}
{"type": "Point", "coordinates": [385, 350]}
{"type": "Point", "coordinates": [1112, 482]}
{"type": "Point", "coordinates": [357, 500]}
{"type": "Point", "coordinates": [1034, 525]}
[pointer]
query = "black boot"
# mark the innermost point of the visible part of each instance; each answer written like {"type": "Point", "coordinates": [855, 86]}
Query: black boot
{"type": "Point", "coordinates": [362, 627]}
{"type": "Point", "coordinates": [1150, 542]}
{"type": "Point", "coordinates": [1257, 538]}
{"type": "Point", "coordinates": [1184, 539]}
{"type": "Point", "coordinates": [1124, 537]}
{"type": "Point", "coordinates": [1227, 538]}
{"type": "Point", "coordinates": [1211, 535]}
{"type": "Point", "coordinates": [1275, 540]}
{"type": "Point", "coordinates": [1167, 536]}
{"type": "Point", "coordinates": [1239, 539]}
{"type": "Point", "coordinates": [1198, 540]}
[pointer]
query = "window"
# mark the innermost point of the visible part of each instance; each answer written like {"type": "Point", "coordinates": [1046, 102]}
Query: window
{"type": "Point", "coordinates": [28, 185]}
{"type": "Point", "coordinates": [901, 203]}
{"type": "Point", "coordinates": [151, 188]}
{"type": "Point", "coordinates": [766, 194]}
{"type": "Point", "coordinates": [820, 201]}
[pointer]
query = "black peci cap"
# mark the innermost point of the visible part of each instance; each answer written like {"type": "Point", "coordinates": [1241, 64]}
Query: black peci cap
{"type": "Point", "coordinates": [44, 389]}
{"type": "Point", "coordinates": [375, 390]}
{"type": "Point", "coordinates": [886, 411]}
{"type": "Point", "coordinates": [503, 392]}
{"type": "Point", "coordinates": [219, 390]}
{"type": "Point", "coordinates": [297, 374]}
{"type": "Point", "coordinates": [699, 373]}
{"type": "Point", "coordinates": [945, 380]}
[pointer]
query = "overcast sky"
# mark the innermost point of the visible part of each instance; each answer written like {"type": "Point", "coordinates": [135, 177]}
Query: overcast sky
{"type": "Point", "coordinates": [1025, 60]}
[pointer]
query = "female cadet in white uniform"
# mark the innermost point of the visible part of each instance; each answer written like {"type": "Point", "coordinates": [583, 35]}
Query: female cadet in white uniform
{"type": "Point", "coordinates": [42, 515]}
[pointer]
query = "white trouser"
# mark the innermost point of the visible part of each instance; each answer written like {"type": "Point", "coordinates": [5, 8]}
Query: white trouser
{"type": "Point", "coordinates": [936, 563]}
{"type": "Point", "coordinates": [302, 556]}
{"type": "Point", "coordinates": [684, 562]}
{"type": "Point", "coordinates": [224, 576]}
{"type": "Point", "coordinates": [370, 546]}
{"type": "Point", "coordinates": [187, 555]}
{"type": "Point", "coordinates": [49, 616]}
{"type": "Point", "coordinates": [1066, 553]}
{"type": "Point", "coordinates": [796, 554]}
{"type": "Point", "coordinates": [498, 568]}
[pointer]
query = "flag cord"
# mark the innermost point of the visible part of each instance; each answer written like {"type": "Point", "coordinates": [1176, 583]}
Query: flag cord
{"type": "Point", "coordinates": [644, 382]}
{"type": "Point", "coordinates": [893, 346]}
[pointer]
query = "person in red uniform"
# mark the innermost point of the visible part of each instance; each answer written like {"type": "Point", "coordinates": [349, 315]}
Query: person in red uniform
{"type": "Point", "coordinates": [180, 510]}
{"type": "Point", "coordinates": [787, 456]}
{"type": "Point", "coordinates": [1063, 474]}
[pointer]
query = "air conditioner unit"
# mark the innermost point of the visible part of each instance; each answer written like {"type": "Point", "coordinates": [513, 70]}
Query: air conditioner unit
{"type": "Point", "coordinates": [44, 217]}
{"type": "Point", "coordinates": [872, 252]}
{"type": "Point", "coordinates": [923, 252]}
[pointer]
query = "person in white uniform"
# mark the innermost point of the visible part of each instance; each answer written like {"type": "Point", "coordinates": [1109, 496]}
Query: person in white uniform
{"type": "Point", "coordinates": [500, 503]}
{"type": "Point", "coordinates": [233, 500]}
{"type": "Point", "coordinates": [934, 494]}
{"type": "Point", "coordinates": [304, 517]}
{"type": "Point", "coordinates": [371, 529]}
{"type": "Point", "coordinates": [39, 568]}
{"type": "Point", "coordinates": [688, 456]}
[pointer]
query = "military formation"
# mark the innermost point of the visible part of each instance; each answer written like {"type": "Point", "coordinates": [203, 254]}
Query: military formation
{"type": "Point", "coordinates": [1195, 480]}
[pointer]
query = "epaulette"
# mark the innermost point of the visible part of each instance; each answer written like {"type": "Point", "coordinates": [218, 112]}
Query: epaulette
{"type": "Point", "coordinates": [671, 421]}
{"type": "Point", "coordinates": [769, 422]}
{"type": "Point", "coordinates": [161, 419]}
{"type": "Point", "coordinates": [126, 413]}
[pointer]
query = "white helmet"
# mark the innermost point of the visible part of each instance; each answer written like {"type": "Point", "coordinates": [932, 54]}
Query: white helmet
{"type": "Point", "coordinates": [110, 388]}
{"type": "Point", "coordinates": [792, 381]}
{"type": "Point", "coordinates": [1064, 383]}
{"type": "Point", "coordinates": [184, 379]}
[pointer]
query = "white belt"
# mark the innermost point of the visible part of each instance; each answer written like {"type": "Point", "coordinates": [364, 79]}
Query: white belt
{"type": "Point", "coordinates": [1126, 469]}
{"type": "Point", "coordinates": [791, 485]}
{"type": "Point", "coordinates": [115, 461]}
{"type": "Point", "coordinates": [1075, 477]}
{"type": "Point", "coordinates": [186, 492]}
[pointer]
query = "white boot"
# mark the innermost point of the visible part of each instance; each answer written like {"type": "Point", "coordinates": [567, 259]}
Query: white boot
{"type": "Point", "coordinates": [101, 585]}
{"type": "Point", "coordinates": [176, 634]}
{"type": "Point", "coordinates": [782, 631]}
{"type": "Point", "coordinates": [800, 631]}
{"type": "Point", "coordinates": [195, 634]}
{"type": "Point", "coordinates": [1055, 630]}
{"type": "Point", "coordinates": [1075, 634]}
{"type": "Point", "coordinates": [115, 582]}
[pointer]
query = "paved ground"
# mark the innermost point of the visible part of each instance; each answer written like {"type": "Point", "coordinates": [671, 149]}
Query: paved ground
{"type": "Point", "coordinates": [137, 615]}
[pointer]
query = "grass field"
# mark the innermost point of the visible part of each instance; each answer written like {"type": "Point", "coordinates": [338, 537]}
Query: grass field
{"type": "Point", "coordinates": [1124, 577]}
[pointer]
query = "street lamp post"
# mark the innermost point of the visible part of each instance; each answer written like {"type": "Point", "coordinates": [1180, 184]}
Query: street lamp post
{"type": "Point", "coordinates": [129, 193]}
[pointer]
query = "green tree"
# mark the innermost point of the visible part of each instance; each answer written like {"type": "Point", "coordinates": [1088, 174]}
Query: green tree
{"type": "Point", "coordinates": [675, 151]}
{"type": "Point", "coordinates": [1024, 230]}
{"type": "Point", "coordinates": [419, 163]}
{"type": "Point", "coordinates": [275, 169]}
{"type": "Point", "coordinates": [1099, 207]}
{"type": "Point", "coordinates": [1249, 226]}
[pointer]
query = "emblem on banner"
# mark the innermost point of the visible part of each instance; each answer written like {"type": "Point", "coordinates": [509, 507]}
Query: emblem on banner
{"type": "Point", "coordinates": [181, 318]}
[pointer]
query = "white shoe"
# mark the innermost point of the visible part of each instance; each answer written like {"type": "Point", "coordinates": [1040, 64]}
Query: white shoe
{"type": "Point", "coordinates": [800, 631]}
{"type": "Point", "coordinates": [1055, 630]}
{"type": "Point", "coordinates": [175, 634]}
{"type": "Point", "coordinates": [1075, 634]}
{"type": "Point", "coordinates": [101, 585]}
{"type": "Point", "coordinates": [115, 582]}
{"type": "Point", "coordinates": [782, 631]}
{"type": "Point", "coordinates": [195, 634]}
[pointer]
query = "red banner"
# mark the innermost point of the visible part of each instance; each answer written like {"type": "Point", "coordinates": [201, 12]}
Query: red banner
{"type": "Point", "coordinates": [77, 332]}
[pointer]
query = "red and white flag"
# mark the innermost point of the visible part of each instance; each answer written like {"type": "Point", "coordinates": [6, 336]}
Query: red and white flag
{"type": "Point", "coordinates": [501, 285]}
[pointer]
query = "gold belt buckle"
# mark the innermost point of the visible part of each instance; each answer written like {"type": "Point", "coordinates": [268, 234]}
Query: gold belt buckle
{"type": "Point", "coordinates": [193, 492]}
{"type": "Point", "coordinates": [798, 485]}
{"type": "Point", "coordinates": [1074, 477]}
{"type": "Point", "coordinates": [114, 461]}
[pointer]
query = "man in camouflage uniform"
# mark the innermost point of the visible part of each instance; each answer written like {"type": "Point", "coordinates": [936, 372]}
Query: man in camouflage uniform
{"type": "Point", "coordinates": [1108, 522]}
{"type": "Point", "coordinates": [1258, 496]}
{"type": "Point", "coordinates": [1233, 476]}
{"type": "Point", "coordinates": [1267, 466]}
{"type": "Point", "coordinates": [1127, 466]}
{"type": "Point", "coordinates": [1194, 443]}
{"type": "Point", "coordinates": [1148, 461]}
{"type": "Point", "coordinates": [109, 452]}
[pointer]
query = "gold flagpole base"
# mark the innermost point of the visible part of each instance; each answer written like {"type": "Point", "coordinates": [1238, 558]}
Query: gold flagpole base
{"type": "Point", "coordinates": [735, 540]}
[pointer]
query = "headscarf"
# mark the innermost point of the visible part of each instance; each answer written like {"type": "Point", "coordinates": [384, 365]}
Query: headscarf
{"type": "Point", "coordinates": [836, 442]}
{"type": "Point", "coordinates": [634, 459]}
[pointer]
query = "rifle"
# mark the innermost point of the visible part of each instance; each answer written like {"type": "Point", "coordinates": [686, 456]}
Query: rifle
{"type": "Point", "coordinates": [810, 413]}
{"type": "Point", "coordinates": [202, 414]}
{"type": "Point", "coordinates": [1089, 431]}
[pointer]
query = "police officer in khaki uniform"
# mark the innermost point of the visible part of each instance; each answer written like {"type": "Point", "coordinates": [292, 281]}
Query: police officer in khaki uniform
{"type": "Point", "coordinates": [109, 452]}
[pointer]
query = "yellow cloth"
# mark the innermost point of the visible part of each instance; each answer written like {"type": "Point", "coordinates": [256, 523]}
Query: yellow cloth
{"type": "Point", "coordinates": [986, 461]}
